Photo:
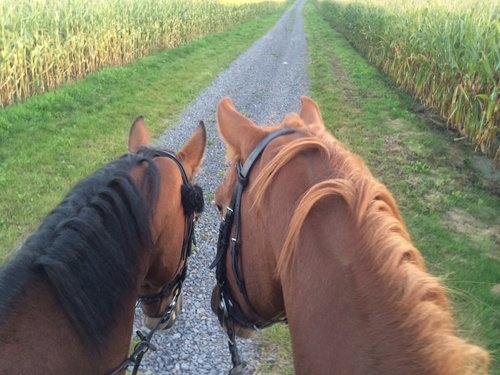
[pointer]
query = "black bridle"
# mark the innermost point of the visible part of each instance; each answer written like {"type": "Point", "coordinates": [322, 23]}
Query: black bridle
{"type": "Point", "coordinates": [172, 287]}
{"type": "Point", "coordinates": [231, 311]}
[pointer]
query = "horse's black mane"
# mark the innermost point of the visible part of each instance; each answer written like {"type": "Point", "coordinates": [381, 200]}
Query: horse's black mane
{"type": "Point", "coordinates": [88, 247]}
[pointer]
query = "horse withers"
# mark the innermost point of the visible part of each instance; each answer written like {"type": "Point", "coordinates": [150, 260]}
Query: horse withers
{"type": "Point", "coordinates": [311, 237]}
{"type": "Point", "coordinates": [68, 295]}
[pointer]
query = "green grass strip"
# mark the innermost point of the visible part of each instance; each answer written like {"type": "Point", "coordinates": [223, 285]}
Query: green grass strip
{"type": "Point", "coordinates": [51, 141]}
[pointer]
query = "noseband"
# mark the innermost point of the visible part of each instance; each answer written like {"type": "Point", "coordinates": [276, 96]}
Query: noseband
{"type": "Point", "coordinates": [231, 311]}
{"type": "Point", "coordinates": [172, 287]}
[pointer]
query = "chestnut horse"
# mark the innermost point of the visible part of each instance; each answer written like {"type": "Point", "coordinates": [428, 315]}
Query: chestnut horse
{"type": "Point", "coordinates": [68, 295]}
{"type": "Point", "coordinates": [310, 236]}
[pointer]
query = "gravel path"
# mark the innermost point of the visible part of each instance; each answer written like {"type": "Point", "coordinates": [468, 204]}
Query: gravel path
{"type": "Point", "coordinates": [265, 83]}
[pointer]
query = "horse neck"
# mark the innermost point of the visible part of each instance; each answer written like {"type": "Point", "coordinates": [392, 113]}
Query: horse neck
{"type": "Point", "coordinates": [342, 315]}
{"type": "Point", "coordinates": [38, 337]}
{"type": "Point", "coordinates": [332, 309]}
{"type": "Point", "coordinates": [326, 317]}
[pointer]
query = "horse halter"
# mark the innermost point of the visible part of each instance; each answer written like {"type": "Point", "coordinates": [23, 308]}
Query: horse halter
{"type": "Point", "coordinates": [175, 285]}
{"type": "Point", "coordinates": [231, 311]}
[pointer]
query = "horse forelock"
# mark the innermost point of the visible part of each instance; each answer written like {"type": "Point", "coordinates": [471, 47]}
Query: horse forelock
{"type": "Point", "coordinates": [88, 248]}
{"type": "Point", "coordinates": [397, 268]}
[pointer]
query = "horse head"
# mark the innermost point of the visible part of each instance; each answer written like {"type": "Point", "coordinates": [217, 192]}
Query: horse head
{"type": "Point", "coordinates": [179, 203]}
{"type": "Point", "coordinates": [120, 234]}
{"type": "Point", "coordinates": [248, 296]}
{"type": "Point", "coordinates": [309, 236]}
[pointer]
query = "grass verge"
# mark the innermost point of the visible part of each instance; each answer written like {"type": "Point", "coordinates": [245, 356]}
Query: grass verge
{"type": "Point", "coordinates": [451, 212]}
{"type": "Point", "coordinates": [53, 140]}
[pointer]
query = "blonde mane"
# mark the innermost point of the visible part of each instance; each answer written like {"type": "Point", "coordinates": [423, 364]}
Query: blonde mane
{"type": "Point", "coordinates": [396, 267]}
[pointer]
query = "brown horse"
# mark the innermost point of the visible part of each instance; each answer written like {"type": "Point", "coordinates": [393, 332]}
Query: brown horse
{"type": "Point", "coordinates": [310, 236]}
{"type": "Point", "coordinates": [68, 295]}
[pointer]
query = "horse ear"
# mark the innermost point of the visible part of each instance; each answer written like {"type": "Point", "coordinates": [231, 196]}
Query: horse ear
{"type": "Point", "coordinates": [309, 113]}
{"type": "Point", "coordinates": [239, 133]}
{"type": "Point", "coordinates": [139, 135]}
{"type": "Point", "coordinates": [193, 150]}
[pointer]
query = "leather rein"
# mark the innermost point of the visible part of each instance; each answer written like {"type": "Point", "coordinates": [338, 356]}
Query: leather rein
{"type": "Point", "coordinates": [231, 310]}
{"type": "Point", "coordinates": [175, 285]}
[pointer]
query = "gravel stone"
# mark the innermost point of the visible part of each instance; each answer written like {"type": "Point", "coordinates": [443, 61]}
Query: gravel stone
{"type": "Point", "coordinates": [265, 83]}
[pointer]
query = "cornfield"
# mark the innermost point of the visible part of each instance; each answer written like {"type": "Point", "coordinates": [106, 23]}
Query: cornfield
{"type": "Point", "coordinates": [445, 52]}
{"type": "Point", "coordinates": [45, 43]}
